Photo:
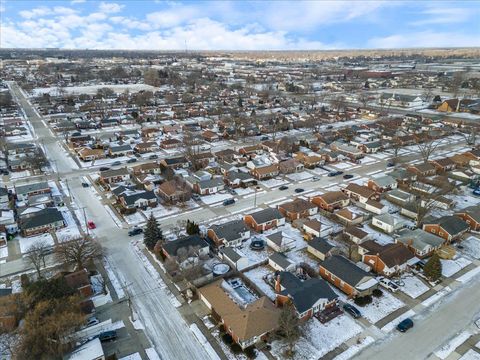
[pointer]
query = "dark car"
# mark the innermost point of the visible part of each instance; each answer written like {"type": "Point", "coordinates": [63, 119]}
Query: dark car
{"type": "Point", "coordinates": [153, 156]}
{"type": "Point", "coordinates": [104, 168]}
{"type": "Point", "coordinates": [135, 231]}
{"type": "Point", "coordinates": [263, 138]}
{"type": "Point", "coordinates": [116, 163]}
{"type": "Point", "coordinates": [283, 187]}
{"type": "Point", "coordinates": [335, 173]}
{"type": "Point", "coordinates": [352, 310]}
{"type": "Point", "coordinates": [404, 325]}
{"type": "Point", "coordinates": [228, 202]}
{"type": "Point", "coordinates": [347, 176]}
{"type": "Point", "coordinates": [299, 190]}
{"type": "Point", "coordinates": [390, 164]}
{"type": "Point", "coordinates": [132, 160]}
{"type": "Point", "coordinates": [107, 335]}
{"type": "Point", "coordinates": [85, 185]}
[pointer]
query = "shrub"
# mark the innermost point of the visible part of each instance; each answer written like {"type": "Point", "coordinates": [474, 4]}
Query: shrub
{"type": "Point", "coordinates": [236, 349]}
{"type": "Point", "coordinates": [227, 339]}
{"type": "Point", "coordinates": [377, 293]}
{"type": "Point", "coordinates": [363, 301]}
{"type": "Point", "coordinates": [250, 352]}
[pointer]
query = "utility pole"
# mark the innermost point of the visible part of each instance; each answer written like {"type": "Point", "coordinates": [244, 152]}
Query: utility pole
{"type": "Point", "coordinates": [255, 198]}
{"type": "Point", "coordinates": [129, 302]}
{"type": "Point", "coordinates": [85, 220]}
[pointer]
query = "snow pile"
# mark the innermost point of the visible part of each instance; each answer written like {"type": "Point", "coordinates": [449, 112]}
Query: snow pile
{"type": "Point", "coordinates": [114, 280]}
{"type": "Point", "coordinates": [434, 298]}
{"type": "Point", "coordinates": [136, 322]}
{"type": "Point", "coordinates": [450, 347]}
{"type": "Point", "coordinates": [257, 275]}
{"type": "Point", "coordinates": [134, 356]}
{"type": "Point", "coordinates": [413, 286]}
{"type": "Point", "coordinates": [152, 354]}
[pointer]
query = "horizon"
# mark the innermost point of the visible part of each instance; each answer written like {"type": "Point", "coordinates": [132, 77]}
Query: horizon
{"type": "Point", "coordinates": [239, 26]}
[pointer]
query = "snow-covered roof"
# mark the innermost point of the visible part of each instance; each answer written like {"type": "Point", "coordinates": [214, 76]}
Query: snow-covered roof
{"type": "Point", "coordinates": [91, 350]}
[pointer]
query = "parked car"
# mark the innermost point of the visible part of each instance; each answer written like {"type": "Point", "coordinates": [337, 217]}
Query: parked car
{"type": "Point", "coordinates": [390, 164]}
{"type": "Point", "coordinates": [85, 185]}
{"type": "Point", "coordinates": [299, 190]}
{"type": "Point", "coordinates": [315, 178]}
{"type": "Point", "coordinates": [388, 284]}
{"type": "Point", "coordinates": [153, 156]}
{"type": "Point", "coordinates": [352, 310]}
{"type": "Point", "coordinates": [263, 138]}
{"type": "Point", "coordinates": [104, 168]}
{"type": "Point", "coordinates": [107, 335]}
{"type": "Point", "coordinates": [92, 321]}
{"type": "Point", "coordinates": [476, 191]}
{"type": "Point", "coordinates": [283, 187]}
{"type": "Point", "coordinates": [195, 197]}
{"type": "Point", "coordinates": [135, 231]}
{"type": "Point", "coordinates": [116, 163]}
{"type": "Point", "coordinates": [347, 176]}
{"type": "Point", "coordinates": [91, 225]}
{"type": "Point", "coordinates": [132, 160]}
{"type": "Point", "coordinates": [335, 173]}
{"type": "Point", "coordinates": [405, 324]}
{"type": "Point", "coordinates": [228, 202]}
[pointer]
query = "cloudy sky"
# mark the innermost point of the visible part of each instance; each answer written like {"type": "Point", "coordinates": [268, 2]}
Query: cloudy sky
{"type": "Point", "coordinates": [238, 25]}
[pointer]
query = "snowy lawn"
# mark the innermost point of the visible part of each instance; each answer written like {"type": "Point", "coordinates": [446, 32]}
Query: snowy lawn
{"type": "Point", "coordinates": [319, 339]}
{"type": "Point", "coordinates": [451, 267]}
{"type": "Point", "coordinates": [413, 286]}
{"type": "Point", "coordinates": [450, 347]}
{"type": "Point", "coordinates": [242, 191]}
{"type": "Point", "coordinates": [271, 183]}
{"type": "Point", "coordinates": [215, 198]}
{"type": "Point", "coordinates": [343, 165]}
{"type": "Point", "coordinates": [135, 219]}
{"type": "Point", "coordinates": [470, 355]}
{"type": "Point", "coordinates": [354, 349]}
{"type": "Point", "coordinates": [380, 307]}
{"type": "Point", "coordinates": [256, 275]}
{"type": "Point", "coordinates": [300, 176]}
{"type": "Point", "coordinates": [71, 231]}
{"type": "Point", "coordinates": [254, 256]}
{"type": "Point", "coordinates": [3, 252]}
{"type": "Point", "coordinates": [19, 174]}
{"type": "Point", "coordinates": [472, 247]}
{"type": "Point", "coordinates": [26, 242]}
{"type": "Point", "coordinates": [378, 236]}
{"type": "Point", "coordinates": [92, 89]}
{"type": "Point", "coordinates": [299, 256]}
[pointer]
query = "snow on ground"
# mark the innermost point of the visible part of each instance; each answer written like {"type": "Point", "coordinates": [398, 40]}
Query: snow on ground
{"type": "Point", "coordinates": [271, 183]}
{"type": "Point", "coordinates": [300, 176]}
{"type": "Point", "coordinates": [320, 338]}
{"type": "Point", "coordinates": [380, 307]}
{"type": "Point", "coordinates": [26, 242]}
{"type": "Point", "coordinates": [450, 347]}
{"type": "Point", "coordinates": [378, 236]}
{"type": "Point", "coordinates": [451, 267]}
{"type": "Point", "coordinates": [135, 218]}
{"type": "Point", "coordinates": [113, 216]}
{"type": "Point", "coordinates": [242, 191]}
{"type": "Point", "coordinates": [101, 299]}
{"type": "Point", "coordinates": [204, 342]}
{"type": "Point", "coordinates": [256, 276]}
{"type": "Point", "coordinates": [435, 297]}
{"type": "Point", "coordinates": [472, 247]}
{"type": "Point", "coordinates": [152, 354]}
{"type": "Point", "coordinates": [343, 165]}
{"type": "Point", "coordinates": [3, 252]}
{"type": "Point", "coordinates": [413, 286]}
{"type": "Point", "coordinates": [354, 349]}
{"type": "Point", "coordinates": [469, 275]}
{"type": "Point", "coordinates": [71, 230]}
{"type": "Point", "coordinates": [470, 355]}
{"type": "Point", "coordinates": [114, 281]}
{"type": "Point", "coordinates": [136, 322]}
{"type": "Point", "coordinates": [19, 174]}
{"type": "Point", "coordinates": [393, 324]}
{"type": "Point", "coordinates": [215, 198]}
{"type": "Point", "coordinates": [92, 89]}
{"type": "Point", "coordinates": [254, 256]}
{"type": "Point", "coordinates": [134, 356]}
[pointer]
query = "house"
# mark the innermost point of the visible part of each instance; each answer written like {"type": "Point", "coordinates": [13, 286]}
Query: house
{"type": "Point", "coordinates": [425, 169]}
{"type": "Point", "coordinates": [374, 206]}
{"type": "Point", "coordinates": [23, 192]}
{"type": "Point", "coordinates": [371, 147]}
{"type": "Point", "coordinates": [234, 257]}
{"type": "Point", "coordinates": [297, 208]}
{"type": "Point", "coordinates": [350, 151]}
{"type": "Point", "coordinates": [290, 166]}
{"type": "Point", "coordinates": [450, 228]}
{"type": "Point", "coordinates": [309, 297]}
{"type": "Point", "coordinates": [170, 249]}
{"type": "Point", "coordinates": [237, 179]}
{"type": "Point", "coordinates": [388, 222]}
{"type": "Point", "coordinates": [42, 221]}
{"type": "Point", "coordinates": [80, 281]}
{"type": "Point", "coordinates": [139, 200]}
{"type": "Point", "coordinates": [422, 243]}
{"type": "Point", "coordinates": [113, 176]}
{"type": "Point", "coordinates": [250, 150]}
{"type": "Point", "coordinates": [174, 190]}
{"type": "Point", "coordinates": [209, 135]}
{"type": "Point", "coordinates": [399, 197]}
{"type": "Point", "coordinates": [348, 217]}
{"type": "Point", "coordinates": [456, 105]}
{"type": "Point", "coordinates": [231, 233]}
{"type": "Point", "coordinates": [387, 260]}
{"type": "Point", "coordinates": [471, 215]}
{"type": "Point", "coordinates": [265, 172]}
{"type": "Point", "coordinates": [356, 234]}
{"type": "Point", "coordinates": [360, 193]}
{"type": "Point", "coordinates": [174, 163]}
{"type": "Point", "coordinates": [248, 324]}
{"type": "Point", "coordinates": [444, 164]}
{"type": "Point", "coordinates": [87, 154]}
{"type": "Point", "coordinates": [320, 248]}
{"type": "Point", "coordinates": [264, 219]}
{"type": "Point", "coordinates": [280, 242]}
{"type": "Point", "coordinates": [403, 176]}
{"type": "Point", "coordinates": [309, 161]}
{"type": "Point", "coordinates": [331, 200]}
{"type": "Point", "coordinates": [4, 196]}
{"type": "Point", "coordinates": [347, 276]}
{"type": "Point", "coordinates": [400, 100]}
{"type": "Point", "coordinates": [279, 262]}
{"type": "Point", "coordinates": [314, 228]}
{"type": "Point", "coordinates": [120, 150]}
{"type": "Point", "coordinates": [382, 184]}
{"type": "Point", "coordinates": [145, 147]}
{"type": "Point", "coordinates": [90, 350]}
{"type": "Point", "coordinates": [170, 144]}
{"type": "Point", "coordinates": [208, 187]}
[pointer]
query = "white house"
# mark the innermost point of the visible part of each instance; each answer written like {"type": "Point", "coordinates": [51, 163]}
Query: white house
{"type": "Point", "coordinates": [280, 262]}
{"type": "Point", "coordinates": [235, 258]}
{"type": "Point", "coordinates": [388, 223]}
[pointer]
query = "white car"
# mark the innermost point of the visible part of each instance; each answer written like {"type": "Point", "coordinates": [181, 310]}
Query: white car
{"type": "Point", "coordinates": [388, 284]}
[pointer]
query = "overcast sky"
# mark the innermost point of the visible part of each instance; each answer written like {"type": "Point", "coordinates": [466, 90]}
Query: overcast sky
{"type": "Point", "coordinates": [238, 25]}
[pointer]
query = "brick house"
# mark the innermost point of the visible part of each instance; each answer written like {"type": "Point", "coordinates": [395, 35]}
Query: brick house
{"type": "Point", "coordinates": [360, 193]}
{"type": "Point", "coordinates": [422, 169]}
{"type": "Point", "coordinates": [382, 184]}
{"type": "Point", "coordinates": [264, 219]}
{"type": "Point", "coordinates": [174, 190]}
{"type": "Point", "coordinates": [87, 154]}
{"type": "Point", "coordinates": [265, 172]}
{"type": "Point", "coordinates": [450, 228]}
{"type": "Point", "coordinates": [42, 221]}
{"type": "Point", "coordinates": [444, 164]}
{"type": "Point", "coordinates": [113, 176]}
{"type": "Point", "coordinates": [231, 233]}
{"type": "Point", "coordinates": [387, 260]}
{"type": "Point", "coordinates": [471, 215]}
{"type": "Point", "coordinates": [298, 208]}
{"type": "Point", "coordinates": [331, 200]}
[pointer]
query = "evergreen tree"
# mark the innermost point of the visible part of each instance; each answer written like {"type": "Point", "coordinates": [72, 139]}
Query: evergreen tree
{"type": "Point", "coordinates": [152, 233]}
{"type": "Point", "coordinates": [433, 268]}
{"type": "Point", "coordinates": [192, 228]}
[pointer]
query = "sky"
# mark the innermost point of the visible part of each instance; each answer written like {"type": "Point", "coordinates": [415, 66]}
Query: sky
{"type": "Point", "coordinates": [238, 25]}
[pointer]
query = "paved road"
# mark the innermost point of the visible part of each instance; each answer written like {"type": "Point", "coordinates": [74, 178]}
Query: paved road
{"type": "Point", "coordinates": [163, 324]}
{"type": "Point", "coordinates": [432, 329]}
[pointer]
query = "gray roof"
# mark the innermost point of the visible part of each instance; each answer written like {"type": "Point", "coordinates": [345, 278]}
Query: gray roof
{"type": "Point", "coordinates": [120, 148]}
{"type": "Point", "coordinates": [231, 254]}
{"type": "Point", "coordinates": [41, 218]}
{"type": "Point", "coordinates": [266, 215]}
{"type": "Point", "coordinates": [419, 239]}
{"type": "Point", "coordinates": [172, 247]}
{"type": "Point", "coordinates": [400, 194]}
{"type": "Point", "coordinates": [230, 230]}
{"type": "Point", "coordinates": [344, 269]}
{"type": "Point", "coordinates": [280, 259]}
{"type": "Point", "coordinates": [215, 182]}
{"type": "Point", "coordinates": [384, 181]}
{"type": "Point", "coordinates": [3, 191]}
{"type": "Point", "coordinates": [25, 189]}
{"type": "Point", "coordinates": [473, 211]}
{"type": "Point", "coordinates": [305, 294]}
{"type": "Point", "coordinates": [114, 172]}
{"type": "Point", "coordinates": [320, 244]}
{"type": "Point", "coordinates": [451, 224]}
{"type": "Point", "coordinates": [276, 238]}
{"type": "Point", "coordinates": [147, 195]}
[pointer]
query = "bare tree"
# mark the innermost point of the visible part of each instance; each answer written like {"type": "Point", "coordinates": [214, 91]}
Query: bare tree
{"type": "Point", "coordinates": [456, 83]}
{"type": "Point", "coordinates": [289, 327]}
{"type": "Point", "coordinates": [426, 202]}
{"type": "Point", "coordinates": [36, 254]}
{"type": "Point", "coordinates": [469, 135]}
{"type": "Point", "coordinates": [427, 148]}
{"type": "Point", "coordinates": [427, 95]}
{"type": "Point", "coordinates": [79, 251]}
{"type": "Point", "coordinates": [363, 97]}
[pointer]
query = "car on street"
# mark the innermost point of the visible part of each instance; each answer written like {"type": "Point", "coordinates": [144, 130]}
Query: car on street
{"type": "Point", "coordinates": [335, 173]}
{"type": "Point", "coordinates": [405, 324]}
{"type": "Point", "coordinates": [196, 197]}
{"type": "Point", "coordinates": [228, 202]}
{"type": "Point", "coordinates": [263, 138]}
{"type": "Point", "coordinates": [388, 284]}
{"type": "Point", "coordinates": [390, 164]}
{"type": "Point", "coordinates": [91, 225]}
{"type": "Point", "coordinates": [135, 231]}
{"type": "Point", "coordinates": [352, 310]}
{"type": "Point", "coordinates": [104, 168]}
{"type": "Point", "coordinates": [153, 156]}
{"type": "Point", "coordinates": [476, 192]}
{"type": "Point", "coordinates": [85, 185]}
{"type": "Point", "coordinates": [315, 178]}
{"type": "Point", "coordinates": [347, 176]}
{"type": "Point", "coordinates": [116, 163]}
{"type": "Point", "coordinates": [92, 321]}
{"type": "Point", "coordinates": [283, 187]}
{"type": "Point", "coordinates": [299, 190]}
{"type": "Point", "coordinates": [132, 160]}
{"type": "Point", "coordinates": [107, 336]}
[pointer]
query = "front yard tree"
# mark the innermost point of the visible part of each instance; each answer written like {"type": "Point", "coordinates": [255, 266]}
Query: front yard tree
{"type": "Point", "coordinates": [433, 268]}
{"type": "Point", "coordinates": [36, 254]}
{"type": "Point", "coordinates": [79, 251]}
{"type": "Point", "coordinates": [192, 228]}
{"type": "Point", "coordinates": [153, 233]}
{"type": "Point", "coordinates": [289, 327]}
